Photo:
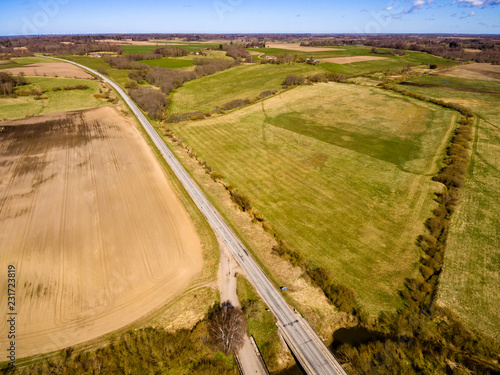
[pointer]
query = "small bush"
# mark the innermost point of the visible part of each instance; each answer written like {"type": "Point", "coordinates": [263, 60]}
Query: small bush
{"type": "Point", "coordinates": [236, 103]}
{"type": "Point", "coordinates": [76, 87]}
{"type": "Point", "coordinates": [241, 201]}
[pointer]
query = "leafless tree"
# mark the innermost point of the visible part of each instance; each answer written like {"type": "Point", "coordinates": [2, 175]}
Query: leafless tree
{"type": "Point", "coordinates": [227, 327]}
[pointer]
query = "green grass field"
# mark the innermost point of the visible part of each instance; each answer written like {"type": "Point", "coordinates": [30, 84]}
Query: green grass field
{"type": "Point", "coordinates": [169, 63]}
{"type": "Point", "coordinates": [240, 82]}
{"type": "Point", "coordinates": [339, 173]}
{"type": "Point", "coordinates": [140, 49]}
{"type": "Point", "coordinates": [470, 283]}
{"type": "Point", "coordinates": [57, 101]}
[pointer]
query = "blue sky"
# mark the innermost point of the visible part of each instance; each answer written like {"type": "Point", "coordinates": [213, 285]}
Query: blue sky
{"type": "Point", "coordinates": [27, 17]}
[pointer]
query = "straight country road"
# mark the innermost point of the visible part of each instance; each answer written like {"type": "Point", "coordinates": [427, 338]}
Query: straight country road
{"type": "Point", "coordinates": [306, 345]}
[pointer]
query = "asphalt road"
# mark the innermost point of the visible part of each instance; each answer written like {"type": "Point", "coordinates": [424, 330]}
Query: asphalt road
{"type": "Point", "coordinates": [308, 348]}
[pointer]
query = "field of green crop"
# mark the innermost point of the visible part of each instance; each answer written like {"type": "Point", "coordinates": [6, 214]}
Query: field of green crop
{"type": "Point", "coordinates": [127, 48]}
{"type": "Point", "coordinates": [56, 101]}
{"type": "Point", "coordinates": [339, 172]}
{"type": "Point", "coordinates": [169, 63]}
{"type": "Point", "coordinates": [240, 82]}
{"type": "Point", "coordinates": [470, 283]}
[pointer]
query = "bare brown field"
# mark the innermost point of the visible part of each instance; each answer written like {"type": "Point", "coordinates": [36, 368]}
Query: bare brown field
{"type": "Point", "coordinates": [474, 71]}
{"type": "Point", "coordinates": [351, 59]}
{"type": "Point", "coordinates": [298, 47]}
{"type": "Point", "coordinates": [96, 233]}
{"type": "Point", "coordinates": [129, 42]}
{"type": "Point", "coordinates": [51, 70]}
{"type": "Point", "coordinates": [472, 50]}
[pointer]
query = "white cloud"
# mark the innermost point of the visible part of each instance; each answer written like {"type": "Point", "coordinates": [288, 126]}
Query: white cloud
{"type": "Point", "coordinates": [471, 14]}
{"type": "Point", "coordinates": [478, 3]}
{"type": "Point", "coordinates": [388, 8]}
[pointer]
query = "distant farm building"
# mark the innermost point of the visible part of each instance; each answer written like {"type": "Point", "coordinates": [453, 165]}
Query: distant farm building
{"type": "Point", "coordinates": [313, 61]}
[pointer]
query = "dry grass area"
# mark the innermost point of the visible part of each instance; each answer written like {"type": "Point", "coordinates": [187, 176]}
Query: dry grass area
{"type": "Point", "coordinates": [51, 70]}
{"type": "Point", "coordinates": [481, 71]}
{"type": "Point", "coordinates": [97, 234]}
{"type": "Point", "coordinates": [351, 59]}
{"type": "Point", "coordinates": [298, 47]}
{"type": "Point", "coordinates": [472, 50]}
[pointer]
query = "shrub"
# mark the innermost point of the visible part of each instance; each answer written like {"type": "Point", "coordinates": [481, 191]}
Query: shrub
{"type": "Point", "coordinates": [103, 71]}
{"type": "Point", "coordinates": [265, 94]}
{"type": "Point", "coordinates": [236, 103]}
{"type": "Point", "coordinates": [241, 201]}
{"type": "Point", "coordinates": [185, 116]}
{"type": "Point", "coordinates": [291, 80]}
{"type": "Point", "coordinates": [76, 87]}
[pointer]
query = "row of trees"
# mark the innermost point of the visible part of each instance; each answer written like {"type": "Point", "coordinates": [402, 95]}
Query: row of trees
{"type": "Point", "coordinates": [294, 79]}
{"type": "Point", "coordinates": [422, 336]}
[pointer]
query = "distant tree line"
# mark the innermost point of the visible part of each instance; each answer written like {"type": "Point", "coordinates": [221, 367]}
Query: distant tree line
{"type": "Point", "coordinates": [327, 43]}
{"type": "Point", "coordinates": [447, 47]}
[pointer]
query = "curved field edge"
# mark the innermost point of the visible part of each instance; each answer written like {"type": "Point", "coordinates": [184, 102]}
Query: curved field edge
{"type": "Point", "coordinates": [311, 190]}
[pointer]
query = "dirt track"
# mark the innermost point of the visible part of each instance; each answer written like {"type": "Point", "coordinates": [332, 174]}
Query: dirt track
{"type": "Point", "coordinates": [50, 70]}
{"type": "Point", "coordinates": [95, 230]}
